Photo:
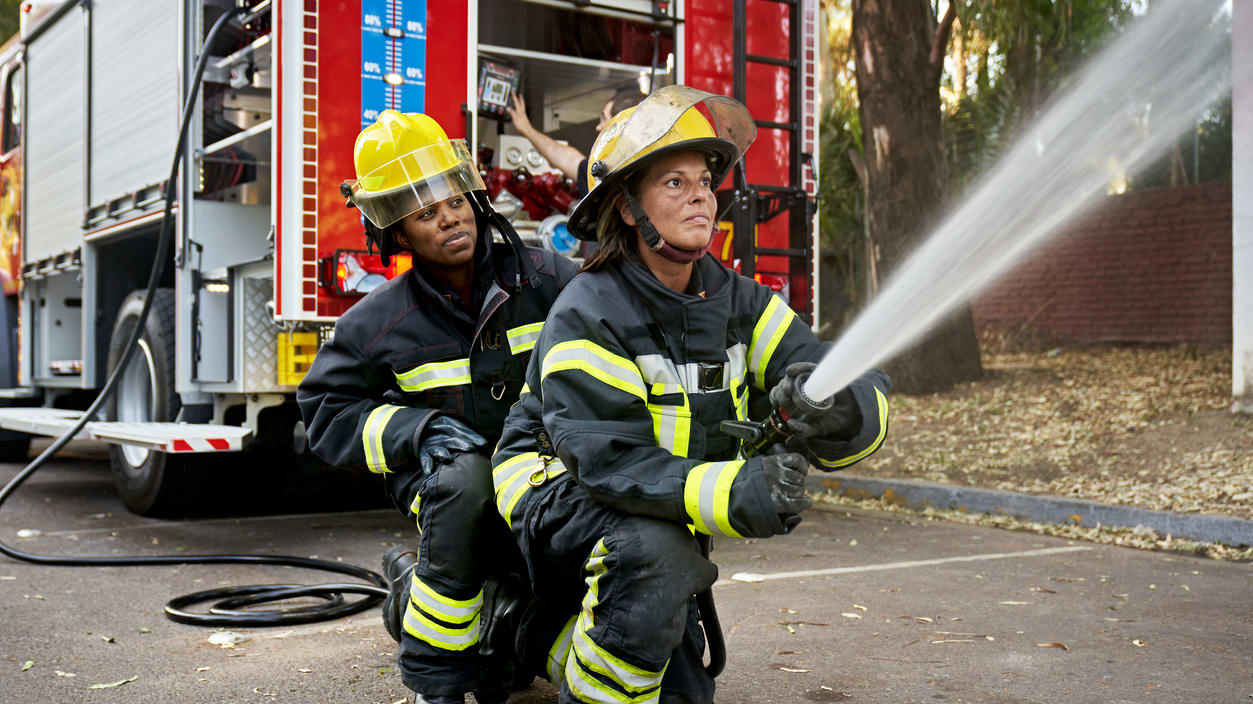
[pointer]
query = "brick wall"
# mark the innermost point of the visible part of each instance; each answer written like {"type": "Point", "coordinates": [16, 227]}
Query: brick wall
{"type": "Point", "coordinates": [1147, 266]}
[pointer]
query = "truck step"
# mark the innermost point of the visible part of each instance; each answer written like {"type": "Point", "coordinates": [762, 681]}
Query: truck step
{"type": "Point", "coordinates": [165, 437]}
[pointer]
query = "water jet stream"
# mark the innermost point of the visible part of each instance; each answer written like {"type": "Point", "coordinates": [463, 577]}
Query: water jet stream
{"type": "Point", "coordinates": [1125, 107]}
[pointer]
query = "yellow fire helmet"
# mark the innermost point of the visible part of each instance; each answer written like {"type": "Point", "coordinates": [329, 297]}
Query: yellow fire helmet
{"type": "Point", "coordinates": [664, 122]}
{"type": "Point", "coordinates": [405, 162]}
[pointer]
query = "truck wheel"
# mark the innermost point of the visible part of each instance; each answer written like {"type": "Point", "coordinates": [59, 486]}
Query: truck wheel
{"type": "Point", "coordinates": [150, 482]}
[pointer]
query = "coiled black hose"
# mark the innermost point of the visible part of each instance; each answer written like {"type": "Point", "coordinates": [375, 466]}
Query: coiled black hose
{"type": "Point", "coordinates": [231, 607]}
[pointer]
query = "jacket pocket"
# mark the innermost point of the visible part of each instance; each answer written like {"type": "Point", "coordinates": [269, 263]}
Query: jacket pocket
{"type": "Point", "coordinates": [671, 411]}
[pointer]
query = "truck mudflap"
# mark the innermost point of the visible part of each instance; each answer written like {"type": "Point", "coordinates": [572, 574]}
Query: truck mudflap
{"type": "Point", "coordinates": [165, 437]}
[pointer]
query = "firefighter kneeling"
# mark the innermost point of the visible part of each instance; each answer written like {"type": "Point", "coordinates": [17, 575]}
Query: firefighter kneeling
{"type": "Point", "coordinates": [612, 455]}
{"type": "Point", "coordinates": [416, 383]}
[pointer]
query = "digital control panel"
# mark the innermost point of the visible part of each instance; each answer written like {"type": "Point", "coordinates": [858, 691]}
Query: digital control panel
{"type": "Point", "coordinates": [497, 82]}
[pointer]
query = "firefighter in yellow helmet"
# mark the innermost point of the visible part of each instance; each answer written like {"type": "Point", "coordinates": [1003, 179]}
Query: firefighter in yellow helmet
{"type": "Point", "coordinates": [416, 383]}
{"type": "Point", "coordinates": [615, 456]}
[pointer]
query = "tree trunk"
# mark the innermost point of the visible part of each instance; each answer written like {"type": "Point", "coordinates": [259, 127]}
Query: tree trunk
{"type": "Point", "coordinates": [898, 87]}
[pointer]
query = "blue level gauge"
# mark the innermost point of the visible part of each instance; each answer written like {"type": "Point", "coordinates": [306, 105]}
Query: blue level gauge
{"type": "Point", "coordinates": [393, 57]}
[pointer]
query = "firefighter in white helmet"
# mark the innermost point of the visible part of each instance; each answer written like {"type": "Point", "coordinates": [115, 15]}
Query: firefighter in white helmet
{"type": "Point", "coordinates": [416, 383]}
{"type": "Point", "coordinates": [613, 455]}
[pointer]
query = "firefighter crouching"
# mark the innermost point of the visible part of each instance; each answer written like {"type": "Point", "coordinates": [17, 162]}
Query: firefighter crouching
{"type": "Point", "coordinates": [417, 381]}
{"type": "Point", "coordinates": [613, 453]}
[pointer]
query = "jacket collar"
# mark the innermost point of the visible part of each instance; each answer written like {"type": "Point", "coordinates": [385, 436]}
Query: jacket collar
{"type": "Point", "coordinates": [697, 324]}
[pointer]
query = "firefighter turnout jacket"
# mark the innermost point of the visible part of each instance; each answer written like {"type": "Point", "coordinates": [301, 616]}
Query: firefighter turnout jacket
{"type": "Point", "coordinates": [407, 352]}
{"type": "Point", "coordinates": [631, 380]}
{"type": "Point", "coordinates": [613, 451]}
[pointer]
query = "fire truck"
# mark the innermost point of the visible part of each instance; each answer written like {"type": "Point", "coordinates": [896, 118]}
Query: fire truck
{"type": "Point", "coordinates": [265, 254]}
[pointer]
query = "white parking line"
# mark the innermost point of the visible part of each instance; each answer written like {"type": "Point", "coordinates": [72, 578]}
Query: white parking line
{"type": "Point", "coordinates": [750, 577]}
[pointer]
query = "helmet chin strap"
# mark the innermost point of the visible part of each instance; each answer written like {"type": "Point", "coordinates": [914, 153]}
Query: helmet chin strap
{"type": "Point", "coordinates": [653, 238]}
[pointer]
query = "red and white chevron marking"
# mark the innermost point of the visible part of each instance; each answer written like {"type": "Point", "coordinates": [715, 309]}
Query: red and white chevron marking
{"type": "Point", "coordinates": [204, 445]}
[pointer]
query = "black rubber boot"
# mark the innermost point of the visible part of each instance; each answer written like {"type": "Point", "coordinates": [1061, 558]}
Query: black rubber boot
{"type": "Point", "coordinates": [504, 600]}
{"type": "Point", "coordinates": [442, 699]}
{"type": "Point", "coordinates": [398, 569]}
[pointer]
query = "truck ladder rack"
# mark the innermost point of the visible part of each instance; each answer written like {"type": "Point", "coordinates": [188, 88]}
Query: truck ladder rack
{"type": "Point", "coordinates": [164, 437]}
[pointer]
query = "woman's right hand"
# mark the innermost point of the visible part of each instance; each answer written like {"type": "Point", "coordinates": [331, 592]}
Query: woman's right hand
{"type": "Point", "coordinates": [785, 475]}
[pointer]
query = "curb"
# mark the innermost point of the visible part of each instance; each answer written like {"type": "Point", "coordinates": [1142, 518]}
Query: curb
{"type": "Point", "coordinates": [1035, 507]}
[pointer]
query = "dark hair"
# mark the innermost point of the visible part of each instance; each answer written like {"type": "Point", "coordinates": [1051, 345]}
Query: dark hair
{"type": "Point", "coordinates": [614, 238]}
{"type": "Point", "coordinates": [625, 98]}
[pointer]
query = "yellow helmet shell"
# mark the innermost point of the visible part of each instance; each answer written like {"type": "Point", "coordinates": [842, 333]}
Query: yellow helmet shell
{"type": "Point", "coordinates": [666, 121]}
{"type": "Point", "coordinates": [405, 162]}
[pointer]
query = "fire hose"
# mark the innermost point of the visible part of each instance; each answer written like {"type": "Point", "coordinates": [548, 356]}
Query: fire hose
{"type": "Point", "coordinates": [231, 607]}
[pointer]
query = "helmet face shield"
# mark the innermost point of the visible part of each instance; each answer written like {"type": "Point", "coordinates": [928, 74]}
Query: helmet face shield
{"type": "Point", "coordinates": [415, 180]}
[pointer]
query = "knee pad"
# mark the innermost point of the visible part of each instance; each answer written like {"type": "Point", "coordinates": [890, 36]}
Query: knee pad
{"type": "Point", "coordinates": [671, 550]}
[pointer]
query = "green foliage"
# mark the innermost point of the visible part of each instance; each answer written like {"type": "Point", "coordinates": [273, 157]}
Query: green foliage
{"type": "Point", "coordinates": [978, 131]}
{"type": "Point", "coordinates": [840, 200]}
{"type": "Point", "coordinates": [9, 17]}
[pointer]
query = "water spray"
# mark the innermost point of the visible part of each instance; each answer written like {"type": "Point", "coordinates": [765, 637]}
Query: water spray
{"type": "Point", "coordinates": [1124, 108]}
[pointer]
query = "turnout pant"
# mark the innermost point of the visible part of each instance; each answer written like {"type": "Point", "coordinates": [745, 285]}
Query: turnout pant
{"type": "Point", "coordinates": [615, 619]}
{"type": "Point", "coordinates": [462, 541]}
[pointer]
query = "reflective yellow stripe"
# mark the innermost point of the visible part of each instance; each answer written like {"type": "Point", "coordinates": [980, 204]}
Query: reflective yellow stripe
{"type": "Point", "coordinates": [523, 337]}
{"type": "Point", "coordinates": [415, 508]}
{"type": "Point", "coordinates": [672, 425]}
{"type": "Point", "coordinates": [435, 375]}
{"type": "Point", "coordinates": [372, 437]}
{"type": "Point", "coordinates": [737, 368]}
{"type": "Point", "coordinates": [559, 652]}
{"type": "Point", "coordinates": [597, 362]}
{"type": "Point", "coordinates": [422, 627]}
{"type": "Point", "coordinates": [455, 611]}
{"type": "Point", "coordinates": [596, 659]}
{"type": "Point", "coordinates": [512, 479]}
{"type": "Point", "coordinates": [882, 402]}
{"type": "Point", "coordinates": [707, 496]}
{"type": "Point", "coordinates": [771, 326]}
{"type": "Point", "coordinates": [639, 685]}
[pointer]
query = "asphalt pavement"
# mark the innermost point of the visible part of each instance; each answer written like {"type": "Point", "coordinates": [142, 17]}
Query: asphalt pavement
{"type": "Point", "coordinates": [855, 606]}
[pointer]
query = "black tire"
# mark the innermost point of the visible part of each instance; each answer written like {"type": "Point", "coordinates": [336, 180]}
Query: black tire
{"type": "Point", "coordinates": [149, 482]}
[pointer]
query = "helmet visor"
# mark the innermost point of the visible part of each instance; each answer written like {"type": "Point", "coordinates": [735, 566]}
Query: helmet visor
{"type": "Point", "coordinates": [416, 180]}
{"type": "Point", "coordinates": [658, 113]}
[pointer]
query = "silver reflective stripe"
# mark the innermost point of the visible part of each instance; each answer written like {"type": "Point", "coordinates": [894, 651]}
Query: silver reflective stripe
{"type": "Point", "coordinates": [707, 496]}
{"type": "Point", "coordinates": [737, 366]}
{"type": "Point", "coordinates": [435, 375]}
{"type": "Point", "coordinates": [516, 475]}
{"type": "Point", "coordinates": [423, 628]}
{"type": "Point", "coordinates": [458, 611]}
{"type": "Point", "coordinates": [657, 369]}
{"type": "Point", "coordinates": [523, 337]}
{"type": "Point", "coordinates": [633, 680]}
{"type": "Point", "coordinates": [596, 659]}
{"type": "Point", "coordinates": [665, 419]}
{"type": "Point", "coordinates": [597, 362]}
{"type": "Point", "coordinates": [766, 335]}
{"type": "Point", "coordinates": [372, 437]}
{"type": "Point", "coordinates": [558, 654]}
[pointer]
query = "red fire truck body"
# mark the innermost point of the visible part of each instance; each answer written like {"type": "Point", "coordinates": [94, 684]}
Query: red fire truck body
{"type": "Point", "coordinates": [265, 253]}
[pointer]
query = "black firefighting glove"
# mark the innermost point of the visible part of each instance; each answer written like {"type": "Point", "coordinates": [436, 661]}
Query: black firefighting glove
{"type": "Point", "coordinates": [785, 475]}
{"type": "Point", "coordinates": [836, 418]}
{"type": "Point", "coordinates": [444, 438]}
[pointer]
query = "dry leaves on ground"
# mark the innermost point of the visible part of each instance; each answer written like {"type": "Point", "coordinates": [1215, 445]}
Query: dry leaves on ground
{"type": "Point", "coordinates": [1141, 426]}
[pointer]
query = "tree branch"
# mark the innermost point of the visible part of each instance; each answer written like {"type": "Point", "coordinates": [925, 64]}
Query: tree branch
{"type": "Point", "coordinates": [942, 33]}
